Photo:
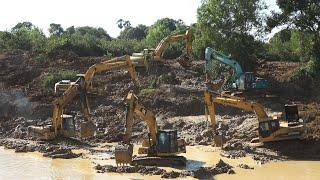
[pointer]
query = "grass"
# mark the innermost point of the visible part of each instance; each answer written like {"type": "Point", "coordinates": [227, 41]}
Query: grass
{"type": "Point", "coordinates": [50, 78]}
{"type": "Point", "coordinates": [146, 91]}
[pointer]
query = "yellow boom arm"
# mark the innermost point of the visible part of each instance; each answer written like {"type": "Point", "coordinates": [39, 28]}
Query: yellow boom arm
{"type": "Point", "coordinates": [163, 43]}
{"type": "Point", "coordinates": [135, 109]}
{"type": "Point", "coordinates": [233, 102]}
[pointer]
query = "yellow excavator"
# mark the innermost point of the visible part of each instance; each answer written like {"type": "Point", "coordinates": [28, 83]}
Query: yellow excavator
{"type": "Point", "coordinates": [269, 129]}
{"type": "Point", "coordinates": [156, 54]}
{"type": "Point", "coordinates": [115, 63]}
{"type": "Point", "coordinates": [159, 149]}
{"type": "Point", "coordinates": [64, 125]}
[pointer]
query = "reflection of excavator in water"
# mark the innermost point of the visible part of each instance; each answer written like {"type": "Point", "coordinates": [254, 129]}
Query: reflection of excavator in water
{"type": "Point", "coordinates": [160, 147]}
{"type": "Point", "coordinates": [240, 80]}
{"type": "Point", "coordinates": [156, 54]}
{"type": "Point", "coordinates": [64, 125]}
{"type": "Point", "coordinates": [269, 129]}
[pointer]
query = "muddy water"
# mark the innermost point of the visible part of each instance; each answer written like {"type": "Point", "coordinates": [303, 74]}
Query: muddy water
{"type": "Point", "coordinates": [34, 166]}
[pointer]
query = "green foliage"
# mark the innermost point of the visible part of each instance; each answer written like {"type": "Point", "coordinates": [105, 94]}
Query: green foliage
{"type": "Point", "coordinates": [119, 47]}
{"type": "Point", "coordinates": [302, 15]}
{"type": "Point", "coordinates": [50, 78]}
{"type": "Point", "coordinates": [291, 45]}
{"type": "Point", "coordinates": [23, 36]}
{"type": "Point", "coordinates": [55, 29]}
{"type": "Point", "coordinates": [40, 58]}
{"type": "Point", "coordinates": [306, 72]}
{"type": "Point", "coordinates": [147, 91]}
{"type": "Point", "coordinates": [162, 28]}
{"type": "Point", "coordinates": [137, 33]}
{"type": "Point", "coordinates": [226, 26]}
{"type": "Point", "coordinates": [123, 23]}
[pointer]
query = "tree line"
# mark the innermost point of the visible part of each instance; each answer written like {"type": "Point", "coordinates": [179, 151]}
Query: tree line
{"type": "Point", "coordinates": [233, 27]}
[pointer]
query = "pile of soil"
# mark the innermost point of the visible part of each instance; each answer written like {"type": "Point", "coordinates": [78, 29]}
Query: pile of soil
{"type": "Point", "coordinates": [203, 172]}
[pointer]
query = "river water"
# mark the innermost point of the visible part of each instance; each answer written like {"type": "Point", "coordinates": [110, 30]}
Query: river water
{"type": "Point", "coordinates": [34, 166]}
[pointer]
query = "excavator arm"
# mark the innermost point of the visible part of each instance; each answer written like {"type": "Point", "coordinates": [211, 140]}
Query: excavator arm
{"type": "Point", "coordinates": [135, 109]}
{"type": "Point", "coordinates": [118, 62]}
{"type": "Point", "coordinates": [233, 102]}
{"type": "Point", "coordinates": [211, 55]}
{"type": "Point", "coordinates": [175, 37]}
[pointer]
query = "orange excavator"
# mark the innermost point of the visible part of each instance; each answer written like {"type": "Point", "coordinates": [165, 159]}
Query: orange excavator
{"type": "Point", "coordinates": [156, 54]}
{"type": "Point", "coordinates": [269, 129]}
{"type": "Point", "coordinates": [64, 125]}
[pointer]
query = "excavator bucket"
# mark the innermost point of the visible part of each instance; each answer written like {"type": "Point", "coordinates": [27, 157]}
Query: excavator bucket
{"type": "Point", "coordinates": [123, 154]}
{"type": "Point", "coordinates": [87, 129]}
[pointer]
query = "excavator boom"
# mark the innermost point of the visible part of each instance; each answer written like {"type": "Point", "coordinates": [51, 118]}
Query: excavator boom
{"type": "Point", "coordinates": [240, 80]}
{"type": "Point", "coordinates": [156, 54]}
{"type": "Point", "coordinates": [118, 62]}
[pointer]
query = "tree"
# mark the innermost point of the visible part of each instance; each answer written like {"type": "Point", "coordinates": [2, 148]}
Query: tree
{"type": "Point", "coordinates": [138, 33]}
{"type": "Point", "coordinates": [302, 15]}
{"type": "Point", "coordinates": [26, 36]}
{"type": "Point", "coordinates": [55, 29]}
{"type": "Point", "coordinates": [27, 25]}
{"type": "Point", "coordinates": [227, 25]}
{"type": "Point", "coordinates": [162, 28]}
{"type": "Point", "coordinates": [123, 23]}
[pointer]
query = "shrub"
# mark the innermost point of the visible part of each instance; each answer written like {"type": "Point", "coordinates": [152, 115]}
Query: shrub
{"type": "Point", "coordinates": [50, 78]}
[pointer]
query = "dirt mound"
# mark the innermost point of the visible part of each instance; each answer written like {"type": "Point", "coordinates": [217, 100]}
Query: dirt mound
{"type": "Point", "coordinates": [203, 172]}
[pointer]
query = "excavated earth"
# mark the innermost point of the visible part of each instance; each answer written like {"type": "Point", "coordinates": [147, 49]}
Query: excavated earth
{"type": "Point", "coordinates": [173, 93]}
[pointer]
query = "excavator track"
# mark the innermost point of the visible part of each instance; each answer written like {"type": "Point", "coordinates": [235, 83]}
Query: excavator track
{"type": "Point", "coordinates": [166, 161]}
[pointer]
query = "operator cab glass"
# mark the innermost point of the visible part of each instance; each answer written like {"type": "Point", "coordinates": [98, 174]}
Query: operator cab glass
{"type": "Point", "coordinates": [167, 141]}
{"type": "Point", "coordinates": [68, 122]}
{"type": "Point", "coordinates": [266, 128]}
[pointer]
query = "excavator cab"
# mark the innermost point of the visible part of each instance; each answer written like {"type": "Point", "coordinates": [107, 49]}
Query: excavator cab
{"type": "Point", "coordinates": [291, 114]}
{"type": "Point", "coordinates": [68, 125]}
{"type": "Point", "coordinates": [266, 128]}
{"type": "Point", "coordinates": [167, 141]}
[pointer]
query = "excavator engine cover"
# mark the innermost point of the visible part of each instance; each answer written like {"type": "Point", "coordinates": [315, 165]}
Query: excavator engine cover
{"type": "Point", "coordinates": [87, 129]}
{"type": "Point", "coordinates": [123, 154]}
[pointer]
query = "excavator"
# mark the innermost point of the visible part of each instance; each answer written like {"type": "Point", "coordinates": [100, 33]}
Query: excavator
{"type": "Point", "coordinates": [159, 149]}
{"type": "Point", "coordinates": [122, 62]}
{"type": "Point", "coordinates": [156, 54]}
{"type": "Point", "coordinates": [64, 125]}
{"type": "Point", "coordinates": [269, 129]}
{"type": "Point", "coordinates": [241, 80]}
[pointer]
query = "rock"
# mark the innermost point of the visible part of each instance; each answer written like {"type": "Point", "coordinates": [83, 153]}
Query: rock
{"type": "Point", "coordinates": [231, 171]}
{"type": "Point", "coordinates": [245, 166]}
{"type": "Point", "coordinates": [171, 175]}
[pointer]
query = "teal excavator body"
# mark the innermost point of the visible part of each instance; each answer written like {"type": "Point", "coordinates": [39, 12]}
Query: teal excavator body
{"type": "Point", "coordinates": [241, 80]}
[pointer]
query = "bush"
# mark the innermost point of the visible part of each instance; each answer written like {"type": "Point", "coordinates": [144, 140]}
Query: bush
{"type": "Point", "coordinates": [307, 75]}
{"type": "Point", "coordinates": [50, 78]}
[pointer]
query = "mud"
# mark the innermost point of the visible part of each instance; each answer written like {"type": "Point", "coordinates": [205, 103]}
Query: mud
{"type": "Point", "coordinates": [62, 150]}
{"type": "Point", "coordinates": [203, 172]}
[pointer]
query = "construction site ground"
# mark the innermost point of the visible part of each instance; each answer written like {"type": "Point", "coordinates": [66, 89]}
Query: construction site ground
{"type": "Point", "coordinates": [173, 93]}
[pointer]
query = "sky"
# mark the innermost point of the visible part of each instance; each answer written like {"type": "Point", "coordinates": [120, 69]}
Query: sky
{"type": "Point", "coordinates": [97, 13]}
